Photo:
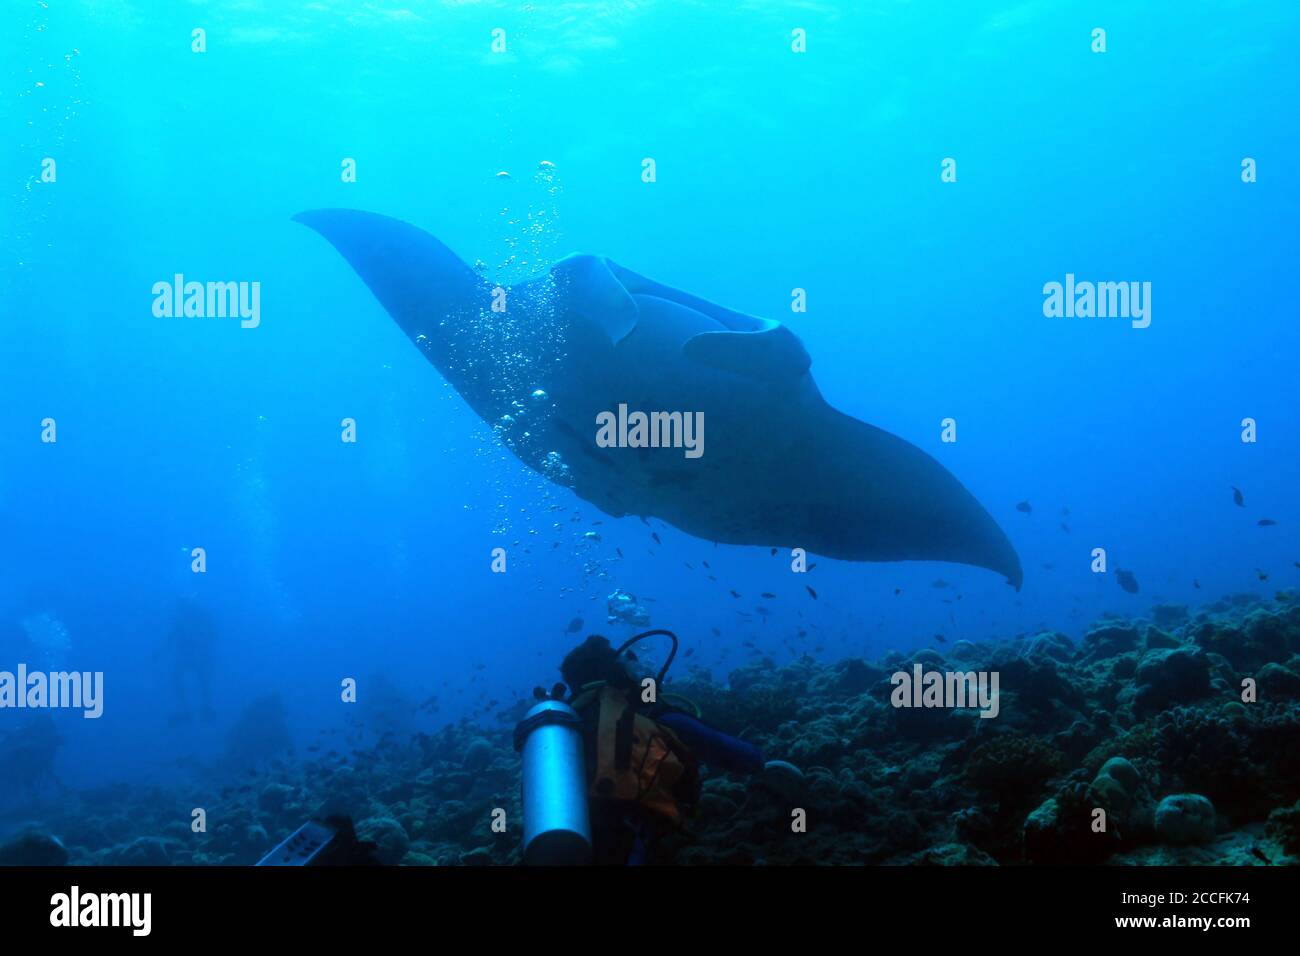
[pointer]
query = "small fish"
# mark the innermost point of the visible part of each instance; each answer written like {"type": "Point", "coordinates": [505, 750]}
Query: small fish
{"type": "Point", "coordinates": [897, 591]}
{"type": "Point", "coordinates": [619, 551]}
{"type": "Point", "coordinates": [940, 583]}
{"type": "Point", "coordinates": [656, 537]}
{"type": "Point", "coordinates": [1237, 498]}
{"type": "Point", "coordinates": [1258, 854]}
{"type": "Point", "coordinates": [941, 639]}
{"type": "Point", "coordinates": [1266, 522]}
{"type": "Point", "coordinates": [1065, 527]}
{"type": "Point", "coordinates": [688, 652]}
{"type": "Point", "coordinates": [761, 610]}
{"type": "Point", "coordinates": [574, 626]}
{"type": "Point", "coordinates": [1196, 582]}
{"type": "Point", "coordinates": [716, 632]}
{"type": "Point", "coordinates": [811, 591]}
{"type": "Point", "coordinates": [767, 594]}
{"type": "Point", "coordinates": [1065, 511]}
{"type": "Point", "coordinates": [735, 593]}
{"type": "Point", "coordinates": [705, 563]}
{"type": "Point", "coordinates": [774, 552]}
{"type": "Point", "coordinates": [1127, 581]}
{"type": "Point", "coordinates": [1263, 575]}
{"type": "Point", "coordinates": [689, 566]}
{"type": "Point", "coordinates": [1025, 507]}
{"type": "Point", "coordinates": [813, 565]}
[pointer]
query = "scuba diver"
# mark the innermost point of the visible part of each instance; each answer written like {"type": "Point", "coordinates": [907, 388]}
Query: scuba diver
{"type": "Point", "coordinates": [615, 766]}
{"type": "Point", "coordinates": [27, 754]}
{"type": "Point", "coordinates": [190, 645]}
{"type": "Point", "coordinates": [610, 766]}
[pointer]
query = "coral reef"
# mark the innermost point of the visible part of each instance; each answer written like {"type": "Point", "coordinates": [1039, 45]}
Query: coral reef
{"type": "Point", "coordinates": [1169, 740]}
{"type": "Point", "coordinates": [1185, 818]}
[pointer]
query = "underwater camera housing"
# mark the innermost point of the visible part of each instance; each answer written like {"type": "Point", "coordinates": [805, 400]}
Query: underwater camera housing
{"type": "Point", "coordinates": [329, 842]}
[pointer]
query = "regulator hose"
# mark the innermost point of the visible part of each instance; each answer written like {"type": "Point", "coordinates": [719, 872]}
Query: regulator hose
{"type": "Point", "coordinates": [671, 654]}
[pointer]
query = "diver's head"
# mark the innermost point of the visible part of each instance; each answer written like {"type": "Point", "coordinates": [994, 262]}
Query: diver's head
{"type": "Point", "coordinates": [595, 660]}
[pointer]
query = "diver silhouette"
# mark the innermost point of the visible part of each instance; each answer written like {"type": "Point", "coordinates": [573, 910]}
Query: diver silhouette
{"type": "Point", "coordinates": [190, 646]}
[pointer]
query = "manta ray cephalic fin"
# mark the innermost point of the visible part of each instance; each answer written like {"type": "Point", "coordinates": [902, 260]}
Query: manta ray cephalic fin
{"type": "Point", "coordinates": [770, 353]}
{"type": "Point", "coordinates": [597, 295]}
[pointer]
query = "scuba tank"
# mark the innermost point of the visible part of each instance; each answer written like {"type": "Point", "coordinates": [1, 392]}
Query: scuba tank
{"type": "Point", "coordinates": [557, 829]}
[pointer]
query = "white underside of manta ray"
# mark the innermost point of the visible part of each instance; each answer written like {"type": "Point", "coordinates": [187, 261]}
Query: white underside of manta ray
{"type": "Point", "coordinates": [781, 467]}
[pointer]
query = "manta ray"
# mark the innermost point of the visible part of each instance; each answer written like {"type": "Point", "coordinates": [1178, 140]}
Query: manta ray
{"type": "Point", "coordinates": [545, 361]}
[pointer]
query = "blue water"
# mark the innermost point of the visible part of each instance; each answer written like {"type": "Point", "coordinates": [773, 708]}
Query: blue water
{"type": "Point", "coordinates": [775, 170]}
